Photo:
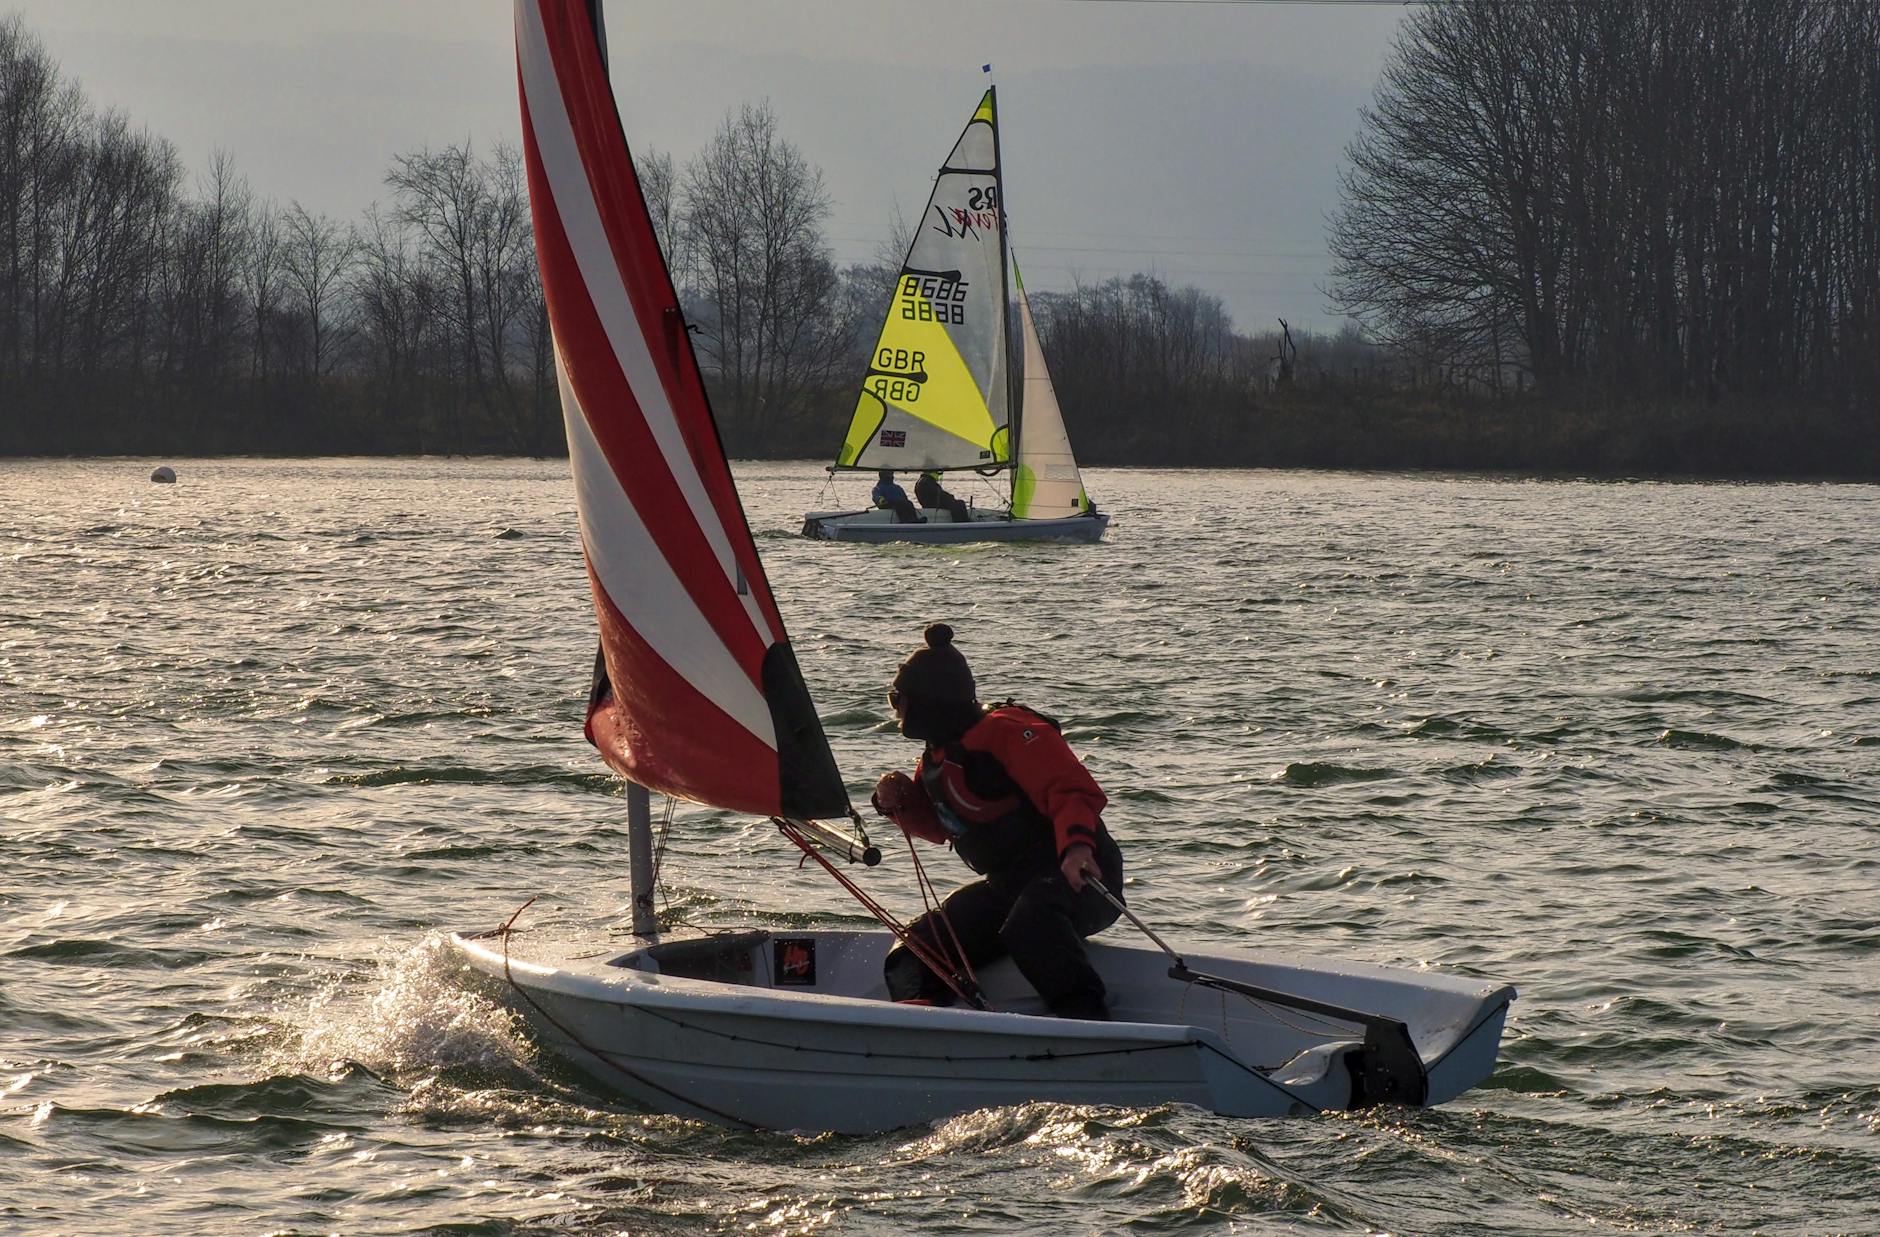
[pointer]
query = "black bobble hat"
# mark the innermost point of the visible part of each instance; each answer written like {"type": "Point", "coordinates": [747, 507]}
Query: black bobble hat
{"type": "Point", "coordinates": [937, 671]}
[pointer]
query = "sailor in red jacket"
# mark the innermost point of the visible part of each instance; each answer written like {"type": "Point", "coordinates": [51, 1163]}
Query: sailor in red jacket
{"type": "Point", "coordinates": [1004, 789]}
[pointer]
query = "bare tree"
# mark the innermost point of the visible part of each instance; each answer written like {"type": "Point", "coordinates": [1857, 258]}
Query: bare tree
{"type": "Point", "coordinates": [440, 195]}
{"type": "Point", "coordinates": [506, 275]}
{"type": "Point", "coordinates": [207, 241]}
{"type": "Point", "coordinates": [657, 185]}
{"type": "Point", "coordinates": [109, 247]}
{"type": "Point", "coordinates": [753, 212]}
{"type": "Point", "coordinates": [1625, 195]}
{"type": "Point", "coordinates": [471, 218]}
{"type": "Point", "coordinates": [899, 241]}
{"type": "Point", "coordinates": [261, 287]}
{"type": "Point", "coordinates": [1137, 359]}
{"type": "Point", "coordinates": [318, 254]}
{"type": "Point", "coordinates": [394, 298]}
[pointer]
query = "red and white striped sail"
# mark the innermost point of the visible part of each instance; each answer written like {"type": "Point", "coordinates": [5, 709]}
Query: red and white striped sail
{"type": "Point", "coordinates": [702, 698]}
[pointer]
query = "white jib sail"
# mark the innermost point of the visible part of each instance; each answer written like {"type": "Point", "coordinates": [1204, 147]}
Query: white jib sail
{"type": "Point", "coordinates": [1045, 484]}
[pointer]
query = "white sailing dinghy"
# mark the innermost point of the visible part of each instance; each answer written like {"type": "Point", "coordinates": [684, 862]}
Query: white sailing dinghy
{"type": "Point", "coordinates": [696, 694]}
{"type": "Point", "coordinates": [937, 396]}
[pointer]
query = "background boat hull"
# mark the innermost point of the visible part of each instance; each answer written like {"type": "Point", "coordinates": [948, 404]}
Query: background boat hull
{"type": "Point", "coordinates": [878, 527]}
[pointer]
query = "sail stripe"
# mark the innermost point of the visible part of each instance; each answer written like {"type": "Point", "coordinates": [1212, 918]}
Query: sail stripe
{"type": "Point", "coordinates": [633, 576]}
{"type": "Point", "coordinates": [700, 694]}
{"type": "Point", "coordinates": [707, 759]}
{"type": "Point", "coordinates": [657, 501]}
{"type": "Point", "coordinates": [592, 243]}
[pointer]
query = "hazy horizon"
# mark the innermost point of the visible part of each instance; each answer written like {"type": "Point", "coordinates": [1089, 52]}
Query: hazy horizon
{"type": "Point", "coordinates": [1196, 142]}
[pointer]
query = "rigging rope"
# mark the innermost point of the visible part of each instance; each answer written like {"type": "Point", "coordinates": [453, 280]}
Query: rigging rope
{"type": "Point", "coordinates": [936, 910]}
{"type": "Point", "coordinates": [659, 856]}
{"type": "Point", "coordinates": [992, 489]}
{"type": "Point", "coordinates": [829, 480]}
{"type": "Point", "coordinates": [964, 986]}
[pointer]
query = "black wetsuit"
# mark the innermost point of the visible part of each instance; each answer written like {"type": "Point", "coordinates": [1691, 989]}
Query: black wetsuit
{"type": "Point", "coordinates": [1012, 798]}
{"type": "Point", "coordinates": [928, 493]}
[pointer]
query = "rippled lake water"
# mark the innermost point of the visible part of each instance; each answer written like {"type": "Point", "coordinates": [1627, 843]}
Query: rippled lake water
{"type": "Point", "coordinates": [265, 733]}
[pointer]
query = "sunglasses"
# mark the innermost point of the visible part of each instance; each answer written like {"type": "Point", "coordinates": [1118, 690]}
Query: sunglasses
{"type": "Point", "coordinates": [895, 699]}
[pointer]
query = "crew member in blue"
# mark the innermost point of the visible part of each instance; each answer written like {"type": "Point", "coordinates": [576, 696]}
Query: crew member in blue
{"type": "Point", "coordinates": [1002, 787]}
{"type": "Point", "coordinates": [893, 498]}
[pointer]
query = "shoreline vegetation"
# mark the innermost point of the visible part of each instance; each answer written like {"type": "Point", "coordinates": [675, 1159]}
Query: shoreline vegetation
{"type": "Point", "coordinates": [1339, 430]}
{"type": "Point", "coordinates": [1661, 262]}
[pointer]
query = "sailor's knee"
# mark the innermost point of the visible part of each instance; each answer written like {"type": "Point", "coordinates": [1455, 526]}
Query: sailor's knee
{"type": "Point", "coordinates": [903, 973]}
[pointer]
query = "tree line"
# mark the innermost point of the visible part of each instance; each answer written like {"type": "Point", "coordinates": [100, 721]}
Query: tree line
{"type": "Point", "coordinates": [140, 312]}
{"type": "Point", "coordinates": [143, 311]}
{"type": "Point", "coordinates": [1664, 209]}
{"type": "Point", "coordinates": [1587, 234]}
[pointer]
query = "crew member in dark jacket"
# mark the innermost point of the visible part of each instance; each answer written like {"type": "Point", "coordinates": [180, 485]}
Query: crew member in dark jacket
{"type": "Point", "coordinates": [1002, 786]}
{"type": "Point", "coordinates": [928, 492]}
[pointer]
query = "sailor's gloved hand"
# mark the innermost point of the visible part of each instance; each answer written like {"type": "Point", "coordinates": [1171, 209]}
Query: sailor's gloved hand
{"type": "Point", "coordinates": [893, 792]}
{"type": "Point", "coordinates": [1080, 861]}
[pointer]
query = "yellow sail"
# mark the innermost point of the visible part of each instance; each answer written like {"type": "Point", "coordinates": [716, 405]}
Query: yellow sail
{"type": "Point", "coordinates": [936, 393]}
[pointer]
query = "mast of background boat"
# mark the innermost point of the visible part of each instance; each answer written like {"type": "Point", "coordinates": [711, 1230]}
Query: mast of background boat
{"type": "Point", "coordinates": [1005, 299]}
{"type": "Point", "coordinates": [639, 799]}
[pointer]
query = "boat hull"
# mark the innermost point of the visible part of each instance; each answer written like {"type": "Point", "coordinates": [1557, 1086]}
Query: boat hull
{"type": "Point", "coordinates": [721, 1041]}
{"type": "Point", "coordinates": [879, 527]}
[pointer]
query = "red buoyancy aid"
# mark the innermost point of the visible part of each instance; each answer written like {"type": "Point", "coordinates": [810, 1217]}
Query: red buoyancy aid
{"type": "Point", "coordinates": [1008, 790]}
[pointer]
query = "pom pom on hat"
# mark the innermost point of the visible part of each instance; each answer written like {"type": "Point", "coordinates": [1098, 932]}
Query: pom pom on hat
{"type": "Point", "coordinates": [937, 671]}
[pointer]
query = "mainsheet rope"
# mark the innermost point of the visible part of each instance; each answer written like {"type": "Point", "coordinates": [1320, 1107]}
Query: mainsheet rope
{"type": "Point", "coordinates": [964, 985]}
{"type": "Point", "coordinates": [936, 908]}
{"type": "Point", "coordinates": [1271, 1010]}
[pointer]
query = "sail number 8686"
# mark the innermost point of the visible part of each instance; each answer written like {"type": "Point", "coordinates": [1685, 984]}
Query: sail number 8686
{"type": "Point", "coordinates": [929, 298]}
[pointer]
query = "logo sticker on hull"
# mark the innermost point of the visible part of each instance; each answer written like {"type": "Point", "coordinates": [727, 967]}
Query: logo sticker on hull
{"type": "Point", "coordinates": [796, 961]}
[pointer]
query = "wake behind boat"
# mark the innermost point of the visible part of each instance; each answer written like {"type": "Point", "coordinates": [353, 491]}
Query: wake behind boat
{"type": "Point", "coordinates": [697, 694]}
{"type": "Point", "coordinates": [938, 393]}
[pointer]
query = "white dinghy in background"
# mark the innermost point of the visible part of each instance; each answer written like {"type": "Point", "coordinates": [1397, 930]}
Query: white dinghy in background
{"type": "Point", "coordinates": [937, 396]}
{"type": "Point", "coordinates": [696, 694]}
{"type": "Point", "coordinates": [877, 527]}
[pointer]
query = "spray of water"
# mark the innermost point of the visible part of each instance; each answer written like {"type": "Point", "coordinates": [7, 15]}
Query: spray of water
{"type": "Point", "coordinates": [413, 1017]}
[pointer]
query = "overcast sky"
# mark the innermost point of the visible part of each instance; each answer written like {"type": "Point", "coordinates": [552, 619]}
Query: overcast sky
{"type": "Point", "coordinates": [1196, 139]}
